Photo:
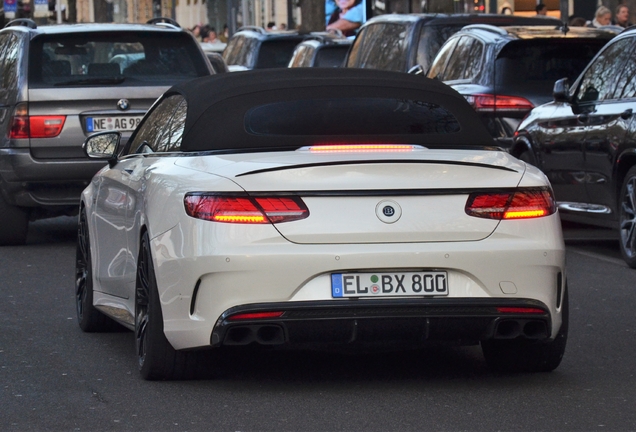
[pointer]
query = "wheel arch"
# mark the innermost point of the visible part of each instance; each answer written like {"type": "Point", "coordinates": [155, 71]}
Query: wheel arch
{"type": "Point", "coordinates": [521, 143]}
{"type": "Point", "coordinates": [624, 162]}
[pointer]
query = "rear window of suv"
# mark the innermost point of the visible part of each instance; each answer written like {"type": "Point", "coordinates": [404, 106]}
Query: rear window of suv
{"type": "Point", "coordinates": [113, 58]}
{"type": "Point", "coordinates": [542, 62]}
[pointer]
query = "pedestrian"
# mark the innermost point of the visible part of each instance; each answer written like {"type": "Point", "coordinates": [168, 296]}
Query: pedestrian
{"type": "Point", "coordinates": [602, 17]}
{"type": "Point", "coordinates": [196, 32]}
{"type": "Point", "coordinates": [346, 17]}
{"type": "Point", "coordinates": [506, 10]}
{"type": "Point", "coordinates": [542, 9]}
{"type": "Point", "coordinates": [271, 26]}
{"type": "Point", "coordinates": [282, 26]}
{"type": "Point", "coordinates": [621, 17]}
{"type": "Point", "coordinates": [576, 21]}
{"type": "Point", "coordinates": [225, 36]}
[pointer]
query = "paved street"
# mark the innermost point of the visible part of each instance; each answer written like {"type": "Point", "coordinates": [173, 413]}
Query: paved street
{"type": "Point", "coordinates": [54, 377]}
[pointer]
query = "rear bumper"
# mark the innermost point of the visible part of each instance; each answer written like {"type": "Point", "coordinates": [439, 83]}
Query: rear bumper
{"type": "Point", "coordinates": [388, 321]}
{"type": "Point", "coordinates": [30, 182]}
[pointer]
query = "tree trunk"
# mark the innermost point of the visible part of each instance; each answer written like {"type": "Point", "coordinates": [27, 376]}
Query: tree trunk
{"type": "Point", "coordinates": [312, 15]}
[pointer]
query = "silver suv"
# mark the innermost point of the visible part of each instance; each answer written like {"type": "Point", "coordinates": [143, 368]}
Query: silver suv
{"type": "Point", "coordinates": [59, 84]}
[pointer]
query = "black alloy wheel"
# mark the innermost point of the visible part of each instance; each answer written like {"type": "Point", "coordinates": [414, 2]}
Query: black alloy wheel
{"type": "Point", "coordinates": [88, 317]}
{"type": "Point", "coordinates": [157, 359]}
{"type": "Point", "coordinates": [627, 218]}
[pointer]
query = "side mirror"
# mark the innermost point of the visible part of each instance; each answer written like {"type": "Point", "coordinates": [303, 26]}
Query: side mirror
{"type": "Point", "coordinates": [416, 70]}
{"type": "Point", "coordinates": [561, 91]}
{"type": "Point", "coordinates": [103, 145]}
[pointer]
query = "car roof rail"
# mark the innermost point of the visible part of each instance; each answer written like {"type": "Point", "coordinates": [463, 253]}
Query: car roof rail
{"type": "Point", "coordinates": [163, 20]}
{"type": "Point", "coordinates": [253, 28]}
{"type": "Point", "coordinates": [23, 22]}
{"type": "Point", "coordinates": [487, 27]}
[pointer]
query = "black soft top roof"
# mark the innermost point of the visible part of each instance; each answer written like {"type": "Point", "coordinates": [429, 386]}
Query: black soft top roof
{"type": "Point", "coordinates": [218, 104]}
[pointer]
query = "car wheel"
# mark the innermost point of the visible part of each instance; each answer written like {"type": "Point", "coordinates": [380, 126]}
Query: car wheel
{"type": "Point", "coordinates": [157, 359]}
{"type": "Point", "coordinates": [89, 318]}
{"type": "Point", "coordinates": [15, 224]}
{"type": "Point", "coordinates": [522, 355]}
{"type": "Point", "coordinates": [627, 218]}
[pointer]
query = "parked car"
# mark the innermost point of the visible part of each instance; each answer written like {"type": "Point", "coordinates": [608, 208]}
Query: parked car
{"type": "Point", "coordinates": [504, 72]}
{"type": "Point", "coordinates": [217, 62]}
{"type": "Point", "coordinates": [308, 206]}
{"type": "Point", "coordinates": [400, 42]}
{"type": "Point", "coordinates": [61, 83]}
{"type": "Point", "coordinates": [585, 142]}
{"type": "Point", "coordinates": [326, 50]}
{"type": "Point", "coordinates": [256, 48]}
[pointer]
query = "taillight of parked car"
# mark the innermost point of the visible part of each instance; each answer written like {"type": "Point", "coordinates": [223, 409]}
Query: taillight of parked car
{"type": "Point", "coordinates": [243, 209]}
{"type": "Point", "coordinates": [25, 126]}
{"type": "Point", "coordinates": [520, 204]}
{"type": "Point", "coordinates": [492, 103]}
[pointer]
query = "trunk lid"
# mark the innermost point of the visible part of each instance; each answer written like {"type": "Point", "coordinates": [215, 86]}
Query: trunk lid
{"type": "Point", "coordinates": [374, 198]}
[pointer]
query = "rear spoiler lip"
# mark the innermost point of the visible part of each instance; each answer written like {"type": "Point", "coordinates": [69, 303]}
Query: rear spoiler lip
{"type": "Point", "coordinates": [375, 161]}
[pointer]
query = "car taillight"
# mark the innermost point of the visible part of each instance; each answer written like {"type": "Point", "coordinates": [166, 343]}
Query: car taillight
{"type": "Point", "coordinates": [255, 315]}
{"type": "Point", "coordinates": [244, 209]}
{"type": "Point", "coordinates": [492, 103]}
{"type": "Point", "coordinates": [25, 126]}
{"type": "Point", "coordinates": [521, 204]}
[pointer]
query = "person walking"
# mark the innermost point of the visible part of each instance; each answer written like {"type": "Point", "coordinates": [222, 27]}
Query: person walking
{"type": "Point", "coordinates": [542, 9]}
{"type": "Point", "coordinates": [621, 16]}
{"type": "Point", "coordinates": [602, 17]}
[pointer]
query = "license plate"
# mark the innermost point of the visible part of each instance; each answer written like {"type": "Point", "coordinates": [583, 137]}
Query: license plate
{"type": "Point", "coordinates": [389, 284]}
{"type": "Point", "coordinates": [116, 123]}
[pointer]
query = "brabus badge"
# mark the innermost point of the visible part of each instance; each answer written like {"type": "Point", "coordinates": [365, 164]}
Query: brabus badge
{"type": "Point", "coordinates": [123, 104]}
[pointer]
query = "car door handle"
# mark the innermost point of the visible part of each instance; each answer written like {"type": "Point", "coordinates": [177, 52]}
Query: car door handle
{"type": "Point", "coordinates": [583, 118]}
{"type": "Point", "coordinates": [627, 114]}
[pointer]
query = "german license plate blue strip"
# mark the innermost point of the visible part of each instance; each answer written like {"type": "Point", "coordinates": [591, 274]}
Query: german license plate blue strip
{"type": "Point", "coordinates": [336, 285]}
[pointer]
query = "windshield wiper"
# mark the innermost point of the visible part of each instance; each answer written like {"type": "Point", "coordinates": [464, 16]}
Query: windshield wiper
{"type": "Point", "coordinates": [87, 81]}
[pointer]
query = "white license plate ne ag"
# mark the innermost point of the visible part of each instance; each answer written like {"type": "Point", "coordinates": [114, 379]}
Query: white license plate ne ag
{"type": "Point", "coordinates": [389, 284]}
{"type": "Point", "coordinates": [114, 123]}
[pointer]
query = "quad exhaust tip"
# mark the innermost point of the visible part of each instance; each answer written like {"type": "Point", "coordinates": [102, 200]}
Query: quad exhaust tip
{"type": "Point", "coordinates": [514, 328]}
{"type": "Point", "coordinates": [262, 334]}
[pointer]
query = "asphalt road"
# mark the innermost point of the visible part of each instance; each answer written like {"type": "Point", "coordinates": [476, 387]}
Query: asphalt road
{"type": "Point", "coordinates": [54, 377]}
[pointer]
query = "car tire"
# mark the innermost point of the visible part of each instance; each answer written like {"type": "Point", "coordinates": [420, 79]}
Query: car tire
{"type": "Point", "coordinates": [157, 359]}
{"type": "Point", "coordinates": [15, 224]}
{"type": "Point", "coordinates": [522, 355]}
{"type": "Point", "coordinates": [89, 318]}
{"type": "Point", "coordinates": [627, 218]}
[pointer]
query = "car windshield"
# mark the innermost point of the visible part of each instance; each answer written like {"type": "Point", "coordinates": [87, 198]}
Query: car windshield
{"type": "Point", "coordinates": [114, 58]}
{"type": "Point", "coordinates": [539, 63]}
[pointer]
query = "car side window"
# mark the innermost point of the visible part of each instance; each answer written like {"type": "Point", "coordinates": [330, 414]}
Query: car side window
{"type": "Point", "coordinates": [9, 55]}
{"type": "Point", "coordinates": [626, 83]}
{"type": "Point", "coordinates": [439, 63]}
{"type": "Point", "coordinates": [161, 131]}
{"type": "Point", "coordinates": [474, 60]}
{"type": "Point", "coordinates": [302, 57]}
{"type": "Point", "coordinates": [600, 78]}
{"type": "Point", "coordinates": [383, 48]}
{"type": "Point", "coordinates": [458, 59]}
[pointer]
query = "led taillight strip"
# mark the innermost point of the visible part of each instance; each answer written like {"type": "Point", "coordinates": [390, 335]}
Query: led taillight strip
{"type": "Point", "coordinates": [244, 209]}
{"type": "Point", "coordinates": [336, 148]}
{"type": "Point", "coordinates": [520, 204]}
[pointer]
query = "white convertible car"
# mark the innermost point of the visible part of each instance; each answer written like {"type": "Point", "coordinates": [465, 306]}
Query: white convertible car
{"type": "Point", "coordinates": [307, 206]}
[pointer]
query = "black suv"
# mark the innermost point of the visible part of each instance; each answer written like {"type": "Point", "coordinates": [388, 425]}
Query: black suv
{"type": "Point", "coordinates": [504, 72]}
{"type": "Point", "coordinates": [402, 42]}
{"type": "Point", "coordinates": [59, 84]}
{"type": "Point", "coordinates": [255, 48]}
{"type": "Point", "coordinates": [585, 142]}
{"type": "Point", "coordinates": [321, 50]}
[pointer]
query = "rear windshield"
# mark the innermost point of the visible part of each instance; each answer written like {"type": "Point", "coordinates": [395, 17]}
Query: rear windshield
{"type": "Point", "coordinates": [114, 58]}
{"type": "Point", "coordinates": [276, 53]}
{"type": "Point", "coordinates": [431, 40]}
{"type": "Point", "coordinates": [542, 62]}
{"type": "Point", "coordinates": [350, 116]}
{"type": "Point", "coordinates": [332, 56]}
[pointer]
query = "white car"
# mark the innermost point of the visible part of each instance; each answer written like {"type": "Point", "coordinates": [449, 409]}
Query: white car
{"type": "Point", "coordinates": [307, 206]}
